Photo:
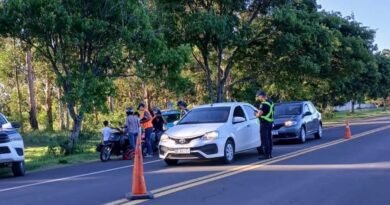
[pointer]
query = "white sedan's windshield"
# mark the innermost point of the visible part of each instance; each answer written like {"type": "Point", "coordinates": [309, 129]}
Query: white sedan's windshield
{"type": "Point", "coordinates": [206, 115]}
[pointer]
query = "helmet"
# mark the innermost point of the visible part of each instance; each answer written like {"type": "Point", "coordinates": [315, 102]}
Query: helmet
{"type": "Point", "coordinates": [129, 111]}
{"type": "Point", "coordinates": [156, 111]}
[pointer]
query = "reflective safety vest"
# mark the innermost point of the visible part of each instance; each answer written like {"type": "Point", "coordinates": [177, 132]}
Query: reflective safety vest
{"type": "Point", "coordinates": [270, 115]}
{"type": "Point", "coordinates": [148, 123]}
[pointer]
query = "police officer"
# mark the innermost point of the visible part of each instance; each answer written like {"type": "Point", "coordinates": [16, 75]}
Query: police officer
{"type": "Point", "coordinates": [266, 115]}
{"type": "Point", "coordinates": [183, 108]}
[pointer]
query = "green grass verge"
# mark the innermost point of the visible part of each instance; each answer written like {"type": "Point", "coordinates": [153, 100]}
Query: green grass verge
{"type": "Point", "coordinates": [338, 117]}
{"type": "Point", "coordinates": [39, 158]}
{"type": "Point", "coordinates": [46, 150]}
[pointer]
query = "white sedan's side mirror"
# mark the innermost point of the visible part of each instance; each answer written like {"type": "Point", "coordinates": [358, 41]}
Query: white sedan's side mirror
{"type": "Point", "coordinates": [175, 123]}
{"type": "Point", "coordinates": [238, 120]}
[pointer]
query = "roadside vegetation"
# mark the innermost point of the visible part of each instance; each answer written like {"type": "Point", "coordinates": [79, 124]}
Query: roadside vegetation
{"type": "Point", "coordinates": [341, 117]}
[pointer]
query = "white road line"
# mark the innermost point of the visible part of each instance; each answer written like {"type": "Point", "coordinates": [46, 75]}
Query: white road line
{"type": "Point", "coordinates": [72, 177]}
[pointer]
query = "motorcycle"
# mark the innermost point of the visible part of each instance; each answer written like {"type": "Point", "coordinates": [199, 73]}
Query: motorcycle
{"type": "Point", "coordinates": [118, 145]}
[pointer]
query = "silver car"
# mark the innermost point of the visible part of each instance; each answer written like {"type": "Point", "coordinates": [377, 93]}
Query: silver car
{"type": "Point", "coordinates": [296, 120]}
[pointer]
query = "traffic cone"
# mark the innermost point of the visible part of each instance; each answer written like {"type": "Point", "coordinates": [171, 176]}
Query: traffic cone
{"type": "Point", "coordinates": [139, 190]}
{"type": "Point", "coordinates": [348, 134]}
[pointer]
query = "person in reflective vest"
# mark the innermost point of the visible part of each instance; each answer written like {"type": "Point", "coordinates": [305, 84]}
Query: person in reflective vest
{"type": "Point", "coordinates": [147, 125]}
{"type": "Point", "coordinates": [266, 117]}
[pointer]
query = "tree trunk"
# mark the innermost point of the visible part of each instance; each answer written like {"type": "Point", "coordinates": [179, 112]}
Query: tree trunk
{"type": "Point", "coordinates": [76, 127]}
{"type": "Point", "coordinates": [49, 111]}
{"type": "Point", "coordinates": [67, 118]}
{"type": "Point", "coordinates": [20, 116]}
{"type": "Point", "coordinates": [384, 103]}
{"type": "Point", "coordinates": [61, 110]}
{"type": "Point", "coordinates": [146, 97]}
{"type": "Point", "coordinates": [353, 106]}
{"type": "Point", "coordinates": [96, 116]}
{"type": "Point", "coordinates": [30, 79]}
{"type": "Point", "coordinates": [220, 91]}
{"type": "Point", "coordinates": [111, 103]}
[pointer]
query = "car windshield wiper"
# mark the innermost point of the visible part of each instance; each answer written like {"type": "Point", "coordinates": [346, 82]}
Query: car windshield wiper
{"type": "Point", "coordinates": [191, 122]}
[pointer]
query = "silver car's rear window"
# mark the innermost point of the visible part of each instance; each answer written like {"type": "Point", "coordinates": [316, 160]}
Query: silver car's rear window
{"type": "Point", "coordinates": [288, 109]}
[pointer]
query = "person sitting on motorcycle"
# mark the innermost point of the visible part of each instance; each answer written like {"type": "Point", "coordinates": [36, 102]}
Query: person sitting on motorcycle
{"type": "Point", "coordinates": [133, 127]}
{"type": "Point", "coordinates": [106, 133]}
{"type": "Point", "coordinates": [183, 108]}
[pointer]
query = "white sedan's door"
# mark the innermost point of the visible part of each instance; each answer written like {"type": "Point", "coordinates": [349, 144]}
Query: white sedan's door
{"type": "Point", "coordinates": [253, 137]}
{"type": "Point", "coordinates": [242, 129]}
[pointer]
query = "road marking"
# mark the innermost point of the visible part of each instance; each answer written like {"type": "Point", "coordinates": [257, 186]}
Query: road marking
{"type": "Point", "coordinates": [72, 177]}
{"type": "Point", "coordinates": [213, 177]}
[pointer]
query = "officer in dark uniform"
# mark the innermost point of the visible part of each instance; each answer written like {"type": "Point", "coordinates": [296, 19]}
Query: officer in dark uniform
{"type": "Point", "coordinates": [183, 108]}
{"type": "Point", "coordinates": [266, 116]}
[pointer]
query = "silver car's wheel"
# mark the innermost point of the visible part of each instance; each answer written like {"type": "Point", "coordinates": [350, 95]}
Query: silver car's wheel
{"type": "Point", "coordinates": [302, 135]}
{"type": "Point", "coordinates": [318, 135]}
{"type": "Point", "coordinates": [229, 152]}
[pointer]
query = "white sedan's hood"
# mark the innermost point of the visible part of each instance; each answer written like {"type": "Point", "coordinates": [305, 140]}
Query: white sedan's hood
{"type": "Point", "coordinates": [192, 130]}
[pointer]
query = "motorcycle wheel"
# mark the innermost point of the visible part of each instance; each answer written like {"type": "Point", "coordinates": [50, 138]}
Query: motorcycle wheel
{"type": "Point", "coordinates": [105, 154]}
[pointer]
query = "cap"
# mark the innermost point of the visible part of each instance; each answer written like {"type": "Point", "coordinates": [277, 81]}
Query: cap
{"type": "Point", "coordinates": [181, 103]}
{"type": "Point", "coordinates": [261, 93]}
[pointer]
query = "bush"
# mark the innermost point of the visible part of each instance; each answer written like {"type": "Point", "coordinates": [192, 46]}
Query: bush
{"type": "Point", "coordinates": [329, 114]}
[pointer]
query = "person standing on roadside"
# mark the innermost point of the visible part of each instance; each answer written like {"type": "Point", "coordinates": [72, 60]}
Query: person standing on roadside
{"type": "Point", "coordinates": [147, 125]}
{"type": "Point", "coordinates": [132, 127]}
{"type": "Point", "coordinates": [266, 115]}
{"type": "Point", "coordinates": [158, 125]}
{"type": "Point", "coordinates": [183, 108]}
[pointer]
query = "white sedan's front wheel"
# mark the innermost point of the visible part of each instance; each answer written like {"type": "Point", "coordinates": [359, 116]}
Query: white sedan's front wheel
{"type": "Point", "coordinates": [229, 152]}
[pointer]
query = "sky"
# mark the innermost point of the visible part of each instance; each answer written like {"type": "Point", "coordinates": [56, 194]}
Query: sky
{"type": "Point", "coordinates": [372, 13]}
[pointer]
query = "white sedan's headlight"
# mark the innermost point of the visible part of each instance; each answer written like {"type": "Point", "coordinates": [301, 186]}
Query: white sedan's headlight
{"type": "Point", "coordinates": [164, 138]}
{"type": "Point", "coordinates": [290, 123]}
{"type": "Point", "coordinates": [210, 135]}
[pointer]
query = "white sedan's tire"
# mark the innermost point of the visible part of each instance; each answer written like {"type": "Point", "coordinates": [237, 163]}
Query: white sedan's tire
{"type": "Point", "coordinates": [229, 152]}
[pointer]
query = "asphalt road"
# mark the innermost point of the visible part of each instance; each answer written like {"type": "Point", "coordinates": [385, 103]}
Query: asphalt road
{"type": "Point", "coordinates": [326, 171]}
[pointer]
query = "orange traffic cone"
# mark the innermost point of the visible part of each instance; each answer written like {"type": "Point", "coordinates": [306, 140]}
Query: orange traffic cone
{"type": "Point", "coordinates": [139, 186]}
{"type": "Point", "coordinates": [348, 134]}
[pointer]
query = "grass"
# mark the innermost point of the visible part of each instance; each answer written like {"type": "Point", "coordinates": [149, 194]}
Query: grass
{"type": "Point", "coordinates": [46, 150]}
{"type": "Point", "coordinates": [337, 117]}
{"type": "Point", "coordinates": [40, 158]}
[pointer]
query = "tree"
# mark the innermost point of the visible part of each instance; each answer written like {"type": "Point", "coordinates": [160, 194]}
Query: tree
{"type": "Point", "coordinates": [84, 43]}
{"type": "Point", "coordinates": [382, 87]}
{"type": "Point", "coordinates": [353, 70]}
{"type": "Point", "coordinates": [218, 33]}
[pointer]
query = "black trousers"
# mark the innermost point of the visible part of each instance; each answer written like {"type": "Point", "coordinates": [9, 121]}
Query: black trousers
{"type": "Point", "coordinates": [266, 137]}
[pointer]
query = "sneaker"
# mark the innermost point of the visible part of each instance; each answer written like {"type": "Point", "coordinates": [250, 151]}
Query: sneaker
{"type": "Point", "coordinates": [148, 156]}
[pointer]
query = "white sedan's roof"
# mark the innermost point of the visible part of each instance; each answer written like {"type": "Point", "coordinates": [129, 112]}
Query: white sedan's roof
{"type": "Point", "coordinates": [226, 104]}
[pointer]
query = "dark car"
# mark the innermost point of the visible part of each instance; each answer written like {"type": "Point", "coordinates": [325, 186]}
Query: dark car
{"type": "Point", "coordinates": [296, 120]}
{"type": "Point", "coordinates": [170, 116]}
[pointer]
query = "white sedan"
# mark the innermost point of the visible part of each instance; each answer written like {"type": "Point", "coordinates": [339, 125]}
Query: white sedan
{"type": "Point", "coordinates": [212, 131]}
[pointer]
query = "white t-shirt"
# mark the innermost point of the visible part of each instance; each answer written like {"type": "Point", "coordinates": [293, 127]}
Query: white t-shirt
{"type": "Point", "coordinates": [106, 133]}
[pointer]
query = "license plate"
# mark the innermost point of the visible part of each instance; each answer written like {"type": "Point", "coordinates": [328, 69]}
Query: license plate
{"type": "Point", "coordinates": [274, 132]}
{"type": "Point", "coordinates": [182, 151]}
